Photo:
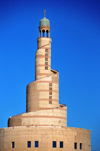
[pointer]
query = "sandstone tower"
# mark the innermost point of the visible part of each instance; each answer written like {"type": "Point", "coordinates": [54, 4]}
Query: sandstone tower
{"type": "Point", "coordinates": [44, 125]}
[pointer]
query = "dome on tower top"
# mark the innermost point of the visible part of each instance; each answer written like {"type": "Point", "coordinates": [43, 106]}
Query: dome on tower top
{"type": "Point", "coordinates": [44, 22]}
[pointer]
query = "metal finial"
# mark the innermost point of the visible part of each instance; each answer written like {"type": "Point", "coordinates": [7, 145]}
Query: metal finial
{"type": "Point", "coordinates": [44, 12]}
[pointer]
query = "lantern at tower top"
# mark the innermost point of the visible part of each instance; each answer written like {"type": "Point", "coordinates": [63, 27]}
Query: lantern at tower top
{"type": "Point", "coordinates": [44, 27]}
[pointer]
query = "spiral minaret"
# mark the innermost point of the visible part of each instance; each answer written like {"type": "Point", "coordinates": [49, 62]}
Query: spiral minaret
{"type": "Point", "coordinates": [43, 127]}
{"type": "Point", "coordinates": [42, 95]}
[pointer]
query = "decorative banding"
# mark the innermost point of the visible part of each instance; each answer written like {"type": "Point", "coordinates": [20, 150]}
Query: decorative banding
{"type": "Point", "coordinates": [41, 56]}
{"type": "Point", "coordinates": [43, 74]}
{"type": "Point", "coordinates": [42, 65]}
{"type": "Point", "coordinates": [46, 82]}
{"type": "Point", "coordinates": [43, 90]}
{"type": "Point", "coordinates": [44, 48]}
{"type": "Point", "coordinates": [47, 99]}
{"type": "Point", "coordinates": [51, 108]}
{"type": "Point", "coordinates": [40, 125]}
{"type": "Point", "coordinates": [39, 117]}
{"type": "Point", "coordinates": [41, 82]}
{"type": "Point", "coordinates": [29, 108]}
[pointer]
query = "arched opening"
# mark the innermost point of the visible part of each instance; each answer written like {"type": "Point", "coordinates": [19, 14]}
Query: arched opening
{"type": "Point", "coordinates": [40, 34]}
{"type": "Point", "coordinates": [43, 33]}
{"type": "Point", "coordinates": [47, 33]}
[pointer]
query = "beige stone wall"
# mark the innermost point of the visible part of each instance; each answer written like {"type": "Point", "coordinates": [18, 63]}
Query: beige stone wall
{"type": "Point", "coordinates": [43, 41]}
{"type": "Point", "coordinates": [42, 94]}
{"type": "Point", "coordinates": [43, 58]}
{"type": "Point", "coordinates": [45, 136]}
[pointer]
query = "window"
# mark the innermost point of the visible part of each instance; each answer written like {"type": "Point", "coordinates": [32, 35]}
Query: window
{"type": "Point", "coordinates": [50, 88]}
{"type": "Point", "coordinates": [13, 144]}
{"type": "Point", "coordinates": [46, 67]}
{"type": "Point", "coordinates": [43, 33]}
{"type": "Point", "coordinates": [50, 102]}
{"type": "Point", "coordinates": [54, 144]}
{"type": "Point", "coordinates": [61, 144]}
{"type": "Point", "coordinates": [50, 97]}
{"type": "Point", "coordinates": [46, 50]}
{"type": "Point", "coordinates": [80, 145]}
{"type": "Point", "coordinates": [36, 144]}
{"type": "Point", "coordinates": [46, 54]}
{"type": "Point", "coordinates": [50, 84]}
{"type": "Point", "coordinates": [47, 33]}
{"type": "Point", "coordinates": [29, 144]}
{"type": "Point", "coordinates": [46, 59]}
{"type": "Point", "coordinates": [50, 93]}
{"type": "Point", "coordinates": [75, 145]}
{"type": "Point", "coordinates": [46, 63]}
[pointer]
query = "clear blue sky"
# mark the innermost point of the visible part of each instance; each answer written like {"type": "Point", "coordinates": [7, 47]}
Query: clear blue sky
{"type": "Point", "coordinates": [75, 33]}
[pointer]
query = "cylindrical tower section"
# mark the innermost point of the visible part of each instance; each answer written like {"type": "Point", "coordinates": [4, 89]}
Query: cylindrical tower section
{"type": "Point", "coordinates": [32, 96]}
{"type": "Point", "coordinates": [42, 94]}
{"type": "Point", "coordinates": [43, 58]}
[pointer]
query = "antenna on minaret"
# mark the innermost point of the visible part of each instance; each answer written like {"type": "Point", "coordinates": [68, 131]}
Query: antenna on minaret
{"type": "Point", "coordinates": [44, 12]}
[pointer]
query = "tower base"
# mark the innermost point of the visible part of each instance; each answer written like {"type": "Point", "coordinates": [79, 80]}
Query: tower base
{"type": "Point", "coordinates": [45, 136]}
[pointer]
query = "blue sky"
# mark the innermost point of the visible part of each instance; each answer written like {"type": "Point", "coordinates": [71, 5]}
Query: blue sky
{"type": "Point", "coordinates": [75, 33]}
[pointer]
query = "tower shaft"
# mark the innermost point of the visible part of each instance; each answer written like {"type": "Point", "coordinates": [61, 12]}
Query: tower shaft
{"type": "Point", "coordinates": [42, 95]}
